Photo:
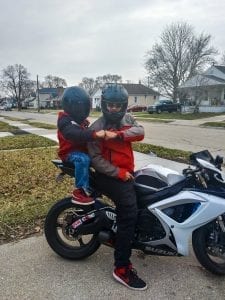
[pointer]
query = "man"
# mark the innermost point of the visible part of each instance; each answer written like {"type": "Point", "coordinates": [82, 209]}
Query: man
{"type": "Point", "coordinates": [113, 160]}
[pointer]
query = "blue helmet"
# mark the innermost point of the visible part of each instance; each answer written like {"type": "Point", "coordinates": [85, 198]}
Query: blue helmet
{"type": "Point", "coordinates": [114, 93]}
{"type": "Point", "coordinates": [77, 103]}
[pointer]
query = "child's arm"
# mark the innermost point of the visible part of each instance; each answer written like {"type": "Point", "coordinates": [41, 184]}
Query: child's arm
{"type": "Point", "coordinates": [73, 131]}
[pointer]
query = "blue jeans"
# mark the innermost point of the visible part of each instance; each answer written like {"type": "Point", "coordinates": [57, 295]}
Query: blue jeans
{"type": "Point", "coordinates": [81, 163]}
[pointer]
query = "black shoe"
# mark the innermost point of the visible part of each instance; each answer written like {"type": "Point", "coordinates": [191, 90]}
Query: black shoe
{"type": "Point", "coordinates": [128, 277]}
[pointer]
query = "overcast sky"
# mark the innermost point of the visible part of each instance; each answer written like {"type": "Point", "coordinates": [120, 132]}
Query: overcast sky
{"type": "Point", "coordinates": [73, 39]}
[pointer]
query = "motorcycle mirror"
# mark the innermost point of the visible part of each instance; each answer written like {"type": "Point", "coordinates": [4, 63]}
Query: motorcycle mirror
{"type": "Point", "coordinates": [218, 161]}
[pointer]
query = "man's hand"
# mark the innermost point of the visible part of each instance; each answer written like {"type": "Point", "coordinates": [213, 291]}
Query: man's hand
{"type": "Point", "coordinates": [110, 135]}
{"type": "Point", "coordinates": [100, 134]}
{"type": "Point", "coordinates": [128, 176]}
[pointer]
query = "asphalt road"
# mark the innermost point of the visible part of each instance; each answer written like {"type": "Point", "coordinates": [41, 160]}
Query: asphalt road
{"type": "Point", "coordinates": [179, 134]}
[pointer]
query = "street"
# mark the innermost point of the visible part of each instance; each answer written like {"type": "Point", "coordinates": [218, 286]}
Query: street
{"type": "Point", "coordinates": [181, 134]}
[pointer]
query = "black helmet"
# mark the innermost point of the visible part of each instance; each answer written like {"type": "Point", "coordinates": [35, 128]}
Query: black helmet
{"type": "Point", "coordinates": [77, 103]}
{"type": "Point", "coordinates": [114, 93]}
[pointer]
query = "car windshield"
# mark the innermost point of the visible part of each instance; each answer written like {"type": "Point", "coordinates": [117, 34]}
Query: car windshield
{"type": "Point", "coordinates": [163, 102]}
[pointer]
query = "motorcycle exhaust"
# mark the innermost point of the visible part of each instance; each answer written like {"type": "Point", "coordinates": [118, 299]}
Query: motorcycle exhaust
{"type": "Point", "coordinates": [107, 238]}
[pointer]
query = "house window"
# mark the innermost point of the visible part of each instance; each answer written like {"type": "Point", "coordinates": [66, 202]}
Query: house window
{"type": "Point", "coordinates": [135, 99]}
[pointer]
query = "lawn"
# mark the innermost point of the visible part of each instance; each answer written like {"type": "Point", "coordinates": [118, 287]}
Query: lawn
{"type": "Point", "coordinates": [175, 115]}
{"type": "Point", "coordinates": [28, 188]}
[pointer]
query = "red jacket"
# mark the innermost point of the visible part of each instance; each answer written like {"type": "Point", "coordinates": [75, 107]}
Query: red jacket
{"type": "Point", "coordinates": [72, 136]}
{"type": "Point", "coordinates": [114, 157]}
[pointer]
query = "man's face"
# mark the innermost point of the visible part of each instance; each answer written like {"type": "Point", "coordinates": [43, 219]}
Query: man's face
{"type": "Point", "coordinates": [114, 107]}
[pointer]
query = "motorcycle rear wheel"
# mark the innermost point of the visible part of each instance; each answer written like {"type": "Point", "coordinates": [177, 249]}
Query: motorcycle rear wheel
{"type": "Point", "coordinates": [60, 240]}
{"type": "Point", "coordinates": [210, 255]}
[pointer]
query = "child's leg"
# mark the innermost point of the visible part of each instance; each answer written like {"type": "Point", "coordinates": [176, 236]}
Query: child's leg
{"type": "Point", "coordinates": [81, 162]}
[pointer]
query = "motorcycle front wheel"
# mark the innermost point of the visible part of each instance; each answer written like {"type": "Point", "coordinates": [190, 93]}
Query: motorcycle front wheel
{"type": "Point", "coordinates": [209, 247]}
{"type": "Point", "coordinates": [60, 239]}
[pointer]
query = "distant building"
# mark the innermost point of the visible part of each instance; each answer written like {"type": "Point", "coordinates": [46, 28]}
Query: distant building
{"type": "Point", "coordinates": [48, 97]}
{"type": "Point", "coordinates": [138, 95]}
{"type": "Point", "coordinates": [207, 89]}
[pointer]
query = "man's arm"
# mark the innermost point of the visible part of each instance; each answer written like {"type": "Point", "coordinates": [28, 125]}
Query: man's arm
{"type": "Point", "coordinates": [130, 130]}
{"type": "Point", "coordinates": [98, 162]}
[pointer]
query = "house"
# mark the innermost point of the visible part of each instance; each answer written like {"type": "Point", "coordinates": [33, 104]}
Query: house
{"type": "Point", "coordinates": [48, 97]}
{"type": "Point", "coordinates": [138, 95]}
{"type": "Point", "coordinates": [207, 90]}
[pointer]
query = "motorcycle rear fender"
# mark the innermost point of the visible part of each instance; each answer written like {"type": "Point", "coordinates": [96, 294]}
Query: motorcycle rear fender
{"type": "Point", "coordinates": [209, 209]}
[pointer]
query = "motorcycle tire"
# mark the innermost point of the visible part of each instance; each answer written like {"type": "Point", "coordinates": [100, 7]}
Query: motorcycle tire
{"type": "Point", "coordinates": [63, 243]}
{"type": "Point", "coordinates": [201, 249]}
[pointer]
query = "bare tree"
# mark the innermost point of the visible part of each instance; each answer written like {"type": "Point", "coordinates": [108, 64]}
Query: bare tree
{"type": "Point", "coordinates": [222, 59]}
{"type": "Point", "coordinates": [108, 78]}
{"type": "Point", "coordinates": [179, 56]}
{"type": "Point", "coordinates": [16, 82]}
{"type": "Point", "coordinates": [54, 82]}
{"type": "Point", "coordinates": [91, 84]}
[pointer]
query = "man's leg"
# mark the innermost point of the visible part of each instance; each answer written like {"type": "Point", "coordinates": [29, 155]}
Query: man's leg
{"type": "Point", "coordinates": [123, 195]}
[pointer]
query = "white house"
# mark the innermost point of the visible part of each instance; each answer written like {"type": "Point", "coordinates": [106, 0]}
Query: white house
{"type": "Point", "coordinates": [48, 97]}
{"type": "Point", "coordinates": [207, 89]}
{"type": "Point", "coordinates": [138, 95]}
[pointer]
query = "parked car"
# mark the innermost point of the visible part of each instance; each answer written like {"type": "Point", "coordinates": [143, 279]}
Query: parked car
{"type": "Point", "coordinates": [164, 105]}
{"type": "Point", "coordinates": [136, 108]}
{"type": "Point", "coordinates": [5, 107]}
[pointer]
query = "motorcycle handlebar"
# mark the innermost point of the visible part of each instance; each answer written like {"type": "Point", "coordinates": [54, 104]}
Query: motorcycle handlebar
{"type": "Point", "coordinates": [216, 176]}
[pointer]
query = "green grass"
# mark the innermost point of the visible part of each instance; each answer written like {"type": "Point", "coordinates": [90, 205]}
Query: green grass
{"type": "Point", "coordinates": [27, 189]}
{"type": "Point", "coordinates": [214, 124]}
{"type": "Point", "coordinates": [172, 154]}
{"type": "Point", "coordinates": [178, 116]}
{"type": "Point", "coordinates": [40, 125]}
{"type": "Point", "coordinates": [5, 127]}
{"type": "Point", "coordinates": [25, 141]}
{"type": "Point", "coordinates": [29, 122]}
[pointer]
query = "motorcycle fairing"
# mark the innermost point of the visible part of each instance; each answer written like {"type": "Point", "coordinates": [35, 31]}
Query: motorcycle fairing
{"type": "Point", "coordinates": [210, 208]}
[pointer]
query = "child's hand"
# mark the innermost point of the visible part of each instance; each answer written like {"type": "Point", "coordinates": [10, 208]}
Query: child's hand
{"type": "Point", "coordinates": [100, 134]}
{"type": "Point", "coordinates": [110, 135]}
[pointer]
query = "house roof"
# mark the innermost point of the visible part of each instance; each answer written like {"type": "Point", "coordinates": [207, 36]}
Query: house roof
{"type": "Point", "coordinates": [48, 91]}
{"type": "Point", "coordinates": [221, 68]}
{"type": "Point", "coordinates": [216, 78]}
{"type": "Point", "coordinates": [138, 89]}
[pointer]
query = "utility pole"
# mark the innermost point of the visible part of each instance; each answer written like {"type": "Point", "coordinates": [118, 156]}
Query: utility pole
{"type": "Point", "coordinates": [148, 81]}
{"type": "Point", "coordinates": [38, 95]}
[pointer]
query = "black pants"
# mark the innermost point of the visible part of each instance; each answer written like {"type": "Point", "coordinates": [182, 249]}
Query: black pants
{"type": "Point", "coordinates": [123, 195]}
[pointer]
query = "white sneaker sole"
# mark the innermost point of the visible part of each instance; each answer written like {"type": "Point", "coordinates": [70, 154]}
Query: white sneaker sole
{"type": "Point", "coordinates": [130, 287]}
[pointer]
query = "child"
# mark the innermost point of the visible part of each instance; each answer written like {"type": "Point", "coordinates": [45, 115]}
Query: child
{"type": "Point", "coordinates": [73, 135]}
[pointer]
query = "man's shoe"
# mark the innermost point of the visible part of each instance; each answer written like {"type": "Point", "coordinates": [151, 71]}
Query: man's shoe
{"type": "Point", "coordinates": [128, 277]}
{"type": "Point", "coordinates": [81, 198]}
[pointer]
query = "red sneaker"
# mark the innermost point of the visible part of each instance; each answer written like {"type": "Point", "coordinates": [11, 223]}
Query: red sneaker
{"type": "Point", "coordinates": [80, 197]}
{"type": "Point", "coordinates": [128, 277]}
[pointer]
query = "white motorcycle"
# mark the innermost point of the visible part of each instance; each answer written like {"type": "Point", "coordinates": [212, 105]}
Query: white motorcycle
{"type": "Point", "coordinates": [174, 210]}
